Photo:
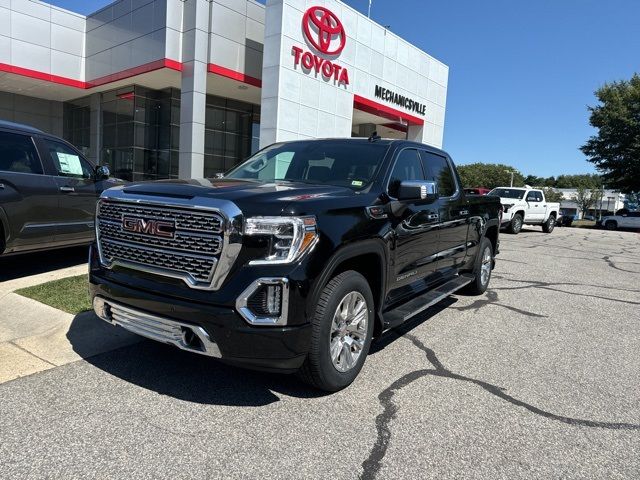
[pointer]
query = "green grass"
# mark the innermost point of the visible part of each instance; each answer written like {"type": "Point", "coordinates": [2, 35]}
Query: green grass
{"type": "Point", "coordinates": [67, 294]}
{"type": "Point", "coordinates": [583, 224]}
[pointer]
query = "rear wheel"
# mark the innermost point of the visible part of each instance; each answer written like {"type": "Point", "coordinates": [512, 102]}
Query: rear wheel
{"type": "Point", "coordinates": [549, 225]}
{"type": "Point", "coordinates": [611, 225]}
{"type": "Point", "coordinates": [482, 269]}
{"type": "Point", "coordinates": [516, 224]}
{"type": "Point", "coordinates": [342, 329]}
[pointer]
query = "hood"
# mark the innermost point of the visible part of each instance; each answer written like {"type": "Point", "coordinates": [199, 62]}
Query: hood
{"type": "Point", "coordinates": [251, 197]}
{"type": "Point", "coordinates": [509, 201]}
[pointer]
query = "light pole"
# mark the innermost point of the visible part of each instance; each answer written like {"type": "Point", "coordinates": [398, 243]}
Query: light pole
{"type": "Point", "coordinates": [369, 13]}
{"type": "Point", "coordinates": [511, 172]}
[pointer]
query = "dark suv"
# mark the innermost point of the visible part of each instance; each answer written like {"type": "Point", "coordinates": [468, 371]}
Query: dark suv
{"type": "Point", "coordinates": [295, 259]}
{"type": "Point", "coordinates": [48, 191]}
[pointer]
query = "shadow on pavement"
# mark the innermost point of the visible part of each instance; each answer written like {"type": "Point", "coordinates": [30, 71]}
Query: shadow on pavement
{"type": "Point", "coordinates": [191, 377]}
{"type": "Point", "coordinates": [392, 335]}
{"type": "Point", "coordinates": [169, 371]}
{"type": "Point", "coordinates": [27, 264]}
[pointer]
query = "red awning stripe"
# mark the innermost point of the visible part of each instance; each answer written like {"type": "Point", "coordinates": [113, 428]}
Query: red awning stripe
{"type": "Point", "coordinates": [234, 75]}
{"type": "Point", "coordinates": [375, 108]}
{"type": "Point", "coordinates": [114, 77]}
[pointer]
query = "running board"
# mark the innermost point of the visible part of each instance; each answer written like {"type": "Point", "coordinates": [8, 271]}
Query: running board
{"type": "Point", "coordinates": [419, 304]}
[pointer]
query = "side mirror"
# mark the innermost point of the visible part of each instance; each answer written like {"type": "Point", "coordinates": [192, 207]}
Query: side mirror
{"type": "Point", "coordinates": [102, 172]}
{"type": "Point", "coordinates": [218, 176]}
{"type": "Point", "coordinates": [417, 190]}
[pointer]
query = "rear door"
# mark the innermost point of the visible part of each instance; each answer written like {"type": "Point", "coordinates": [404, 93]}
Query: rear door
{"type": "Point", "coordinates": [78, 192]}
{"type": "Point", "coordinates": [536, 207]}
{"type": "Point", "coordinates": [415, 224]}
{"type": "Point", "coordinates": [27, 196]}
{"type": "Point", "coordinates": [453, 212]}
{"type": "Point", "coordinates": [631, 220]}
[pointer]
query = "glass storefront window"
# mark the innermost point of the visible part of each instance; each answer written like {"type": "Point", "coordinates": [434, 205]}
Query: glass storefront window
{"type": "Point", "coordinates": [140, 131]}
{"type": "Point", "coordinates": [230, 129]}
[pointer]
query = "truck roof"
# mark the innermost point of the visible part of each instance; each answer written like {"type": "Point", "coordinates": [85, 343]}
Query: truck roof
{"type": "Point", "coordinates": [19, 126]}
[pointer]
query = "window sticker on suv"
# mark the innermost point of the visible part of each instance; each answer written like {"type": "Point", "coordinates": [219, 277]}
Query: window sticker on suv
{"type": "Point", "coordinates": [69, 164]}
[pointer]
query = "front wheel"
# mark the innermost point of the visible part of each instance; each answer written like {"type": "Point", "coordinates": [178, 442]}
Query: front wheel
{"type": "Point", "coordinates": [482, 269]}
{"type": "Point", "coordinates": [516, 224]}
{"type": "Point", "coordinates": [342, 329]}
{"type": "Point", "coordinates": [610, 225]}
{"type": "Point", "coordinates": [549, 225]}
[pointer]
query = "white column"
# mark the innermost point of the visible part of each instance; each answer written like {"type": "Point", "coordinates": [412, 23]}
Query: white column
{"type": "Point", "coordinates": [416, 133]}
{"type": "Point", "coordinates": [195, 58]}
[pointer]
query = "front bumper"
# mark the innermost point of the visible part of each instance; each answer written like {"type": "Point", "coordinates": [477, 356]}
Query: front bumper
{"type": "Point", "coordinates": [506, 218]}
{"type": "Point", "coordinates": [202, 328]}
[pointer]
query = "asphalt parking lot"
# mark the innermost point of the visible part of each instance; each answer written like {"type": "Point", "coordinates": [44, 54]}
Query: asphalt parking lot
{"type": "Point", "coordinates": [539, 378]}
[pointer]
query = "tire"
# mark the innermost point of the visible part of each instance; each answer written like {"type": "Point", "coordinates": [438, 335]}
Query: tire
{"type": "Point", "coordinates": [482, 268]}
{"type": "Point", "coordinates": [548, 226]}
{"type": "Point", "coordinates": [611, 225]}
{"type": "Point", "coordinates": [330, 372]}
{"type": "Point", "coordinates": [516, 224]}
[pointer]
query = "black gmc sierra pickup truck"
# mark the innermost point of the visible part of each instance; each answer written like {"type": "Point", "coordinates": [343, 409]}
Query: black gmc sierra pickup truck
{"type": "Point", "coordinates": [297, 258]}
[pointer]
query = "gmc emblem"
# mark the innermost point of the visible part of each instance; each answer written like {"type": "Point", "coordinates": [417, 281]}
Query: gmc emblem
{"type": "Point", "coordinates": [158, 228]}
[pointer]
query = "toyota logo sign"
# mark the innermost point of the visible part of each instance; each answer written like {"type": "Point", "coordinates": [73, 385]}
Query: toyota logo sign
{"type": "Point", "coordinates": [324, 30]}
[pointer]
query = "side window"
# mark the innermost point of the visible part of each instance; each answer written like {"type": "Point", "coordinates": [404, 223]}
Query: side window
{"type": "Point", "coordinates": [18, 154]}
{"type": "Point", "coordinates": [439, 171]}
{"type": "Point", "coordinates": [408, 167]}
{"type": "Point", "coordinates": [67, 161]}
{"type": "Point", "coordinates": [534, 196]}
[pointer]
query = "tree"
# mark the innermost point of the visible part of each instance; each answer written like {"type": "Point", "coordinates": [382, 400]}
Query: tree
{"type": "Point", "coordinates": [552, 195]}
{"type": "Point", "coordinates": [587, 180]}
{"type": "Point", "coordinates": [586, 198]}
{"type": "Point", "coordinates": [489, 175]}
{"type": "Point", "coordinates": [615, 150]}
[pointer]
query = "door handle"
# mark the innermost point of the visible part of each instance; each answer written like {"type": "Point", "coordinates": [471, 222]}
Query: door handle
{"type": "Point", "coordinates": [67, 189]}
{"type": "Point", "coordinates": [433, 216]}
{"type": "Point", "coordinates": [464, 212]}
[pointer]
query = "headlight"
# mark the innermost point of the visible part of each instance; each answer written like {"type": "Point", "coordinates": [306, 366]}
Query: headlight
{"type": "Point", "coordinates": [290, 237]}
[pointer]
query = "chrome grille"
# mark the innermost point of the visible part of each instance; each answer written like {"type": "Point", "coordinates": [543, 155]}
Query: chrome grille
{"type": "Point", "coordinates": [183, 241]}
{"type": "Point", "coordinates": [198, 221]}
{"type": "Point", "coordinates": [191, 252]}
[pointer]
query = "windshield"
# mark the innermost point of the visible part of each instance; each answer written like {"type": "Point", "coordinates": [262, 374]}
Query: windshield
{"type": "Point", "coordinates": [326, 162]}
{"type": "Point", "coordinates": [507, 193]}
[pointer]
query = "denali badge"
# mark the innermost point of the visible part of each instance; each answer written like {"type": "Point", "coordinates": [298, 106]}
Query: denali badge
{"type": "Point", "coordinates": [159, 228]}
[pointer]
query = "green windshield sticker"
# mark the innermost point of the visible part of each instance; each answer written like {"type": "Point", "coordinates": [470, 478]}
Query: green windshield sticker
{"type": "Point", "coordinates": [357, 183]}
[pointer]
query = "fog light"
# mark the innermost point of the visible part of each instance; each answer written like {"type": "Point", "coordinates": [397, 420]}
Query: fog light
{"type": "Point", "coordinates": [265, 302]}
{"type": "Point", "coordinates": [274, 294]}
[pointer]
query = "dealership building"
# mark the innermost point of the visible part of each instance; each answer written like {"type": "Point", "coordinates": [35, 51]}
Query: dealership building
{"type": "Point", "coordinates": [188, 88]}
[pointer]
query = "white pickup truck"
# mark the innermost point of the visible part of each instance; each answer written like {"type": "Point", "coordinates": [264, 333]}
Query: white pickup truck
{"type": "Point", "coordinates": [526, 206]}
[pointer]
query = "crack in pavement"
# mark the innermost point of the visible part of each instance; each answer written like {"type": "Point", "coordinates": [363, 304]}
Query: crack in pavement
{"type": "Point", "coordinates": [612, 264]}
{"type": "Point", "coordinates": [372, 465]}
{"type": "Point", "coordinates": [549, 285]}
{"type": "Point", "coordinates": [492, 298]}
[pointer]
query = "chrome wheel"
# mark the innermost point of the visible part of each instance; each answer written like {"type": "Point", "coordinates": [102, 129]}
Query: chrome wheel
{"type": "Point", "coordinates": [517, 225]}
{"type": "Point", "coordinates": [485, 268]}
{"type": "Point", "coordinates": [348, 331]}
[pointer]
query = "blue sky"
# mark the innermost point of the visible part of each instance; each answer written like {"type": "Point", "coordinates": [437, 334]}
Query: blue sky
{"type": "Point", "coordinates": [521, 72]}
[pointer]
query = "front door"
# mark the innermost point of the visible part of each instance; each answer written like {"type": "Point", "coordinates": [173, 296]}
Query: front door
{"type": "Point", "coordinates": [75, 180]}
{"type": "Point", "coordinates": [536, 207]}
{"type": "Point", "coordinates": [415, 224]}
{"type": "Point", "coordinates": [28, 197]}
{"type": "Point", "coordinates": [453, 211]}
